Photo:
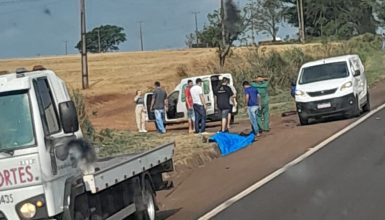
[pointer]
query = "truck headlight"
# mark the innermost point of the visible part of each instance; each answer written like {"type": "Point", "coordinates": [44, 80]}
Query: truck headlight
{"type": "Point", "coordinates": [299, 93]}
{"type": "Point", "coordinates": [346, 86]}
{"type": "Point", "coordinates": [28, 210]}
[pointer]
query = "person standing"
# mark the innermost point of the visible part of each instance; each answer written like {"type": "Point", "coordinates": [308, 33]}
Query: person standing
{"type": "Point", "coordinates": [252, 103]}
{"type": "Point", "coordinates": [262, 84]}
{"type": "Point", "coordinates": [224, 94]}
{"type": "Point", "coordinates": [189, 106]}
{"type": "Point", "coordinates": [159, 105]}
{"type": "Point", "coordinates": [199, 106]}
{"type": "Point", "coordinates": [233, 102]}
{"type": "Point", "coordinates": [140, 112]}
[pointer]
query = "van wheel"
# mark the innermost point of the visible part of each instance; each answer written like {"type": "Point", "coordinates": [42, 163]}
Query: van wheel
{"type": "Point", "coordinates": [303, 120]}
{"type": "Point", "coordinates": [149, 213]}
{"type": "Point", "coordinates": [366, 107]}
{"type": "Point", "coordinates": [356, 109]}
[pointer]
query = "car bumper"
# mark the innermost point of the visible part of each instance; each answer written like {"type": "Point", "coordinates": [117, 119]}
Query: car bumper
{"type": "Point", "coordinates": [328, 107]}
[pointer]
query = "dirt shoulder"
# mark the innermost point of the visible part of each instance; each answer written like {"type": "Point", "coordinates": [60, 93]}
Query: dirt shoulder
{"type": "Point", "coordinates": [201, 189]}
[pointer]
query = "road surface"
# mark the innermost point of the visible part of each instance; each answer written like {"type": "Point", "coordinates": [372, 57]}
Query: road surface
{"type": "Point", "coordinates": [344, 180]}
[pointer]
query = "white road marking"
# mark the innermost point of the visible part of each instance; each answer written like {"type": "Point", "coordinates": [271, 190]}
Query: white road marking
{"type": "Point", "coordinates": [278, 172]}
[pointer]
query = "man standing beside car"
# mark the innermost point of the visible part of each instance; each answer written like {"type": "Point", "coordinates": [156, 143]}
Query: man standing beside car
{"type": "Point", "coordinates": [199, 105]}
{"type": "Point", "coordinates": [224, 94]}
{"type": "Point", "coordinates": [253, 105]}
{"type": "Point", "coordinates": [159, 105]}
{"type": "Point", "coordinates": [189, 106]}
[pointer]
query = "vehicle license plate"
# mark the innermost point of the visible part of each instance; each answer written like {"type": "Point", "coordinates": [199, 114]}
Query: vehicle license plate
{"type": "Point", "coordinates": [324, 105]}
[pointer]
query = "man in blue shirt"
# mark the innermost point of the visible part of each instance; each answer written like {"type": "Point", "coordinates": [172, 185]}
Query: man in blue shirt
{"type": "Point", "coordinates": [253, 104]}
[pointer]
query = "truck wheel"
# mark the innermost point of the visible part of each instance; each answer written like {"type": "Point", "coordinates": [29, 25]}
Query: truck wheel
{"type": "Point", "coordinates": [366, 107]}
{"type": "Point", "coordinates": [149, 212]}
{"type": "Point", "coordinates": [303, 120]}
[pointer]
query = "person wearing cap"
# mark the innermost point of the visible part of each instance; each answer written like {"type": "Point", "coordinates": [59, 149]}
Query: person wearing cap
{"type": "Point", "coordinates": [262, 84]}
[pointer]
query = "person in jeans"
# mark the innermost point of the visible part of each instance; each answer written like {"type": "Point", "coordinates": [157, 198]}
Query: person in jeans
{"type": "Point", "coordinates": [158, 104]}
{"type": "Point", "coordinates": [253, 103]}
{"type": "Point", "coordinates": [140, 112]}
{"type": "Point", "coordinates": [199, 106]}
{"type": "Point", "coordinates": [224, 94]}
{"type": "Point", "coordinates": [189, 106]}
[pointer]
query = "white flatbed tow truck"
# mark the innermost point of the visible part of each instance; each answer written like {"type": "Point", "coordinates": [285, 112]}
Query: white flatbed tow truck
{"type": "Point", "coordinates": [47, 170]}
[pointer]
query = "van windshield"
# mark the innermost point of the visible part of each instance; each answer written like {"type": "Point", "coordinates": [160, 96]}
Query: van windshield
{"type": "Point", "coordinates": [16, 127]}
{"type": "Point", "coordinates": [324, 72]}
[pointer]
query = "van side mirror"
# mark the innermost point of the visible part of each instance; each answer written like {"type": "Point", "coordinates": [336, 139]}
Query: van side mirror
{"type": "Point", "coordinates": [357, 73]}
{"type": "Point", "coordinates": [68, 117]}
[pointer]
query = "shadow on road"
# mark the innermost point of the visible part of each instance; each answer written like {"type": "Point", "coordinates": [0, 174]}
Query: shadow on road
{"type": "Point", "coordinates": [163, 215]}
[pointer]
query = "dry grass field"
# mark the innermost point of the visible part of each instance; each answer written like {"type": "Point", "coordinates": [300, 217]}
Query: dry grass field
{"type": "Point", "coordinates": [114, 77]}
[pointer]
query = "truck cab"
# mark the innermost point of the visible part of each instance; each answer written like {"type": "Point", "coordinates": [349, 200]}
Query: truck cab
{"type": "Point", "coordinates": [39, 178]}
{"type": "Point", "coordinates": [33, 107]}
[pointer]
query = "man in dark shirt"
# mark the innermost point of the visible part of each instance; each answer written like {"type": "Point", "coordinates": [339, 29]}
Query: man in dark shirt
{"type": "Point", "coordinates": [224, 93]}
{"type": "Point", "coordinates": [159, 104]}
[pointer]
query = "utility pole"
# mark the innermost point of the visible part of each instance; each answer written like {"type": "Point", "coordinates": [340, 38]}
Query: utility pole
{"type": "Point", "coordinates": [301, 22]}
{"type": "Point", "coordinates": [196, 25]}
{"type": "Point", "coordinates": [141, 34]}
{"type": "Point", "coordinates": [98, 40]}
{"type": "Point", "coordinates": [66, 47]}
{"type": "Point", "coordinates": [84, 46]}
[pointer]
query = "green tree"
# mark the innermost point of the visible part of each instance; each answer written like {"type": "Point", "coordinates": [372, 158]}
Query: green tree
{"type": "Point", "coordinates": [225, 26]}
{"type": "Point", "coordinates": [342, 18]}
{"type": "Point", "coordinates": [103, 39]}
{"type": "Point", "coordinates": [265, 16]}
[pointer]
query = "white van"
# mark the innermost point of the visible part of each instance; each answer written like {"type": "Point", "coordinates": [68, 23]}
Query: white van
{"type": "Point", "coordinates": [331, 87]}
{"type": "Point", "coordinates": [177, 111]}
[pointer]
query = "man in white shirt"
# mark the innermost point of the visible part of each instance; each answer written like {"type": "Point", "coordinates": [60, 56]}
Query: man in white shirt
{"type": "Point", "coordinates": [199, 105]}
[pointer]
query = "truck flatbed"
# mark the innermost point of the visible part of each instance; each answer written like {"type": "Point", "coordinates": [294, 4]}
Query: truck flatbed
{"type": "Point", "coordinates": [111, 171]}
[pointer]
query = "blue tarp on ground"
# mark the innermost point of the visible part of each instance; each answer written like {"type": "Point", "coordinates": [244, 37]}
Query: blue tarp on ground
{"type": "Point", "coordinates": [229, 143]}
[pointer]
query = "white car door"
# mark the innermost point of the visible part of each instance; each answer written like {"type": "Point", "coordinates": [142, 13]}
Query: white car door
{"type": "Point", "coordinates": [209, 95]}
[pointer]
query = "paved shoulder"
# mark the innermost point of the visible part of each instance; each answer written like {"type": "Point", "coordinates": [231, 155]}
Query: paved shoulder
{"type": "Point", "coordinates": [344, 180]}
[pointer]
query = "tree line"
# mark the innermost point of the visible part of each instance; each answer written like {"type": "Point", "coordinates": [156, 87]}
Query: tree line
{"type": "Point", "coordinates": [339, 19]}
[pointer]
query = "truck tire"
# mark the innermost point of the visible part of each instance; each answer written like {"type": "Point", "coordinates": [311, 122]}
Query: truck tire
{"type": "Point", "coordinates": [303, 120]}
{"type": "Point", "coordinates": [149, 213]}
{"type": "Point", "coordinates": [366, 107]}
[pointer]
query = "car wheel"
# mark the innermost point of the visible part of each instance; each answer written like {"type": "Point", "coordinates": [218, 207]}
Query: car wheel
{"type": "Point", "coordinates": [356, 109]}
{"type": "Point", "coordinates": [303, 120]}
{"type": "Point", "coordinates": [366, 107]}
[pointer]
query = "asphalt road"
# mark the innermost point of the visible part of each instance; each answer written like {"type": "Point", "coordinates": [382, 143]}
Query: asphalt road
{"type": "Point", "coordinates": [344, 180]}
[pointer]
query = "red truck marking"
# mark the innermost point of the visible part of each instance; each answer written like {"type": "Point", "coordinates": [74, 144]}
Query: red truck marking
{"type": "Point", "coordinates": [14, 176]}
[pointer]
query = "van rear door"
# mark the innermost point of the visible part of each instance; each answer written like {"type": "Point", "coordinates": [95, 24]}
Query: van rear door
{"type": "Point", "coordinates": [209, 95]}
{"type": "Point", "coordinates": [150, 116]}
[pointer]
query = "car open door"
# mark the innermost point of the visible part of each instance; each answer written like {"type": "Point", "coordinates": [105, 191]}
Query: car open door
{"type": "Point", "coordinates": [150, 116]}
{"type": "Point", "coordinates": [209, 95]}
{"type": "Point", "coordinates": [176, 111]}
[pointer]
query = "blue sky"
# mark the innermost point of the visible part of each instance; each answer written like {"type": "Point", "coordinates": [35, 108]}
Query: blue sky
{"type": "Point", "coordinates": [40, 27]}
